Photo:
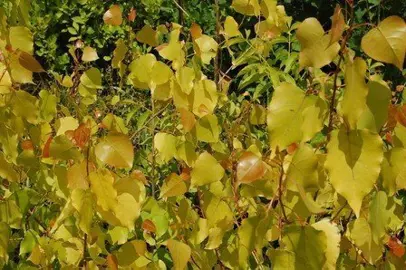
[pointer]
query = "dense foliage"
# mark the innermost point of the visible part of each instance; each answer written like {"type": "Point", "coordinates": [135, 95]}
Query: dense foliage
{"type": "Point", "coordinates": [238, 134]}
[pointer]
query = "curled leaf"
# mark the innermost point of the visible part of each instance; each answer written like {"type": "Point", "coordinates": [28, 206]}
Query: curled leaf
{"type": "Point", "coordinates": [250, 168]}
{"type": "Point", "coordinates": [338, 25]}
{"type": "Point", "coordinates": [28, 61]}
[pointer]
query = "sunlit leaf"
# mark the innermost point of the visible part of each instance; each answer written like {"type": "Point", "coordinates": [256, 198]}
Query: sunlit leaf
{"type": "Point", "coordinates": [116, 150]}
{"type": "Point", "coordinates": [356, 91]}
{"type": "Point", "coordinates": [231, 27]}
{"type": "Point", "coordinates": [101, 184]}
{"type": "Point", "coordinates": [387, 41]}
{"type": "Point", "coordinates": [353, 163]}
{"type": "Point", "coordinates": [246, 7]}
{"type": "Point", "coordinates": [315, 49]}
{"type": "Point", "coordinates": [113, 16]}
{"type": "Point", "coordinates": [89, 54]}
{"type": "Point", "coordinates": [206, 170]}
{"type": "Point", "coordinates": [180, 253]}
{"type": "Point", "coordinates": [250, 168]}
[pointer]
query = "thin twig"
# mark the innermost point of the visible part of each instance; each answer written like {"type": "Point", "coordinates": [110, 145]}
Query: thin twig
{"type": "Point", "coordinates": [339, 211]}
{"type": "Point", "coordinates": [217, 67]}
{"type": "Point", "coordinates": [337, 71]}
{"type": "Point", "coordinates": [181, 8]}
{"type": "Point", "coordinates": [280, 194]}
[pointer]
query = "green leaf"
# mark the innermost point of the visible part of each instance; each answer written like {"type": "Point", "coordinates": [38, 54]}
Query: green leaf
{"type": "Point", "coordinates": [353, 164]}
{"type": "Point", "coordinates": [302, 169]}
{"type": "Point", "coordinates": [376, 114]}
{"type": "Point", "coordinates": [91, 78]}
{"type": "Point", "coordinates": [356, 91]}
{"type": "Point", "coordinates": [148, 36]}
{"type": "Point", "coordinates": [207, 129]}
{"type": "Point", "coordinates": [119, 53]}
{"type": "Point", "coordinates": [293, 116]}
{"type": "Point", "coordinates": [29, 242]}
{"type": "Point", "coordinates": [247, 238]}
{"type": "Point", "coordinates": [360, 232]}
{"type": "Point", "coordinates": [6, 170]}
{"type": "Point", "coordinates": [47, 105]}
{"type": "Point", "coordinates": [180, 253]}
{"type": "Point", "coordinates": [315, 49]}
{"type": "Point", "coordinates": [282, 259]}
{"type": "Point", "coordinates": [258, 115]}
{"type": "Point", "coordinates": [82, 201]}
{"type": "Point", "coordinates": [378, 215]}
{"type": "Point", "coordinates": [116, 150]}
{"type": "Point", "coordinates": [387, 41]}
{"type": "Point", "coordinates": [206, 170]}
{"type": "Point", "coordinates": [5, 233]}
{"type": "Point", "coordinates": [308, 244]}
{"type": "Point", "coordinates": [62, 148]}
{"type": "Point", "coordinates": [186, 151]}
{"type": "Point", "coordinates": [25, 105]}
{"type": "Point", "coordinates": [10, 214]}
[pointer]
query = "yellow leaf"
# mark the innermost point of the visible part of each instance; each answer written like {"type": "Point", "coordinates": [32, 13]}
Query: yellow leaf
{"type": "Point", "coordinates": [387, 42]}
{"type": "Point", "coordinates": [206, 48]}
{"type": "Point", "coordinates": [246, 7]}
{"type": "Point", "coordinates": [231, 27]}
{"type": "Point", "coordinates": [113, 16]}
{"type": "Point", "coordinates": [173, 186]}
{"type": "Point", "coordinates": [89, 54]}
{"type": "Point", "coordinates": [21, 39]}
{"type": "Point", "coordinates": [148, 36]}
{"type": "Point", "coordinates": [206, 170]}
{"type": "Point", "coordinates": [353, 164]}
{"type": "Point", "coordinates": [180, 253]}
{"type": "Point", "coordinates": [116, 150]}
{"type": "Point", "coordinates": [66, 123]}
{"type": "Point", "coordinates": [166, 145]}
{"type": "Point", "coordinates": [315, 50]}
{"type": "Point", "coordinates": [356, 91]}
{"type": "Point", "coordinates": [101, 184]}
